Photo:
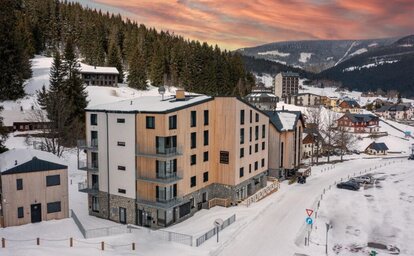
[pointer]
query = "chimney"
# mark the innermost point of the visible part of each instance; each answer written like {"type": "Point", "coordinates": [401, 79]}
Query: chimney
{"type": "Point", "coordinates": [15, 162]}
{"type": "Point", "coordinates": [180, 95]}
{"type": "Point", "coordinates": [283, 107]}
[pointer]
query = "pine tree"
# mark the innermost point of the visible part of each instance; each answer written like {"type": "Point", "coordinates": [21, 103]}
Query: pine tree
{"type": "Point", "coordinates": [3, 133]}
{"type": "Point", "coordinates": [137, 77]}
{"type": "Point", "coordinates": [57, 72]}
{"type": "Point", "coordinates": [114, 56]}
{"type": "Point", "coordinates": [157, 66]}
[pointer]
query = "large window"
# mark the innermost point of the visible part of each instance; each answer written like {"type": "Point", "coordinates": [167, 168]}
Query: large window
{"type": "Point", "coordinates": [263, 145]}
{"type": "Point", "coordinates": [224, 157]}
{"type": "Point", "coordinates": [53, 207]}
{"type": "Point", "coordinates": [20, 212]}
{"type": "Point", "coordinates": [241, 135]}
{"type": "Point", "coordinates": [193, 140]}
{"type": "Point", "coordinates": [121, 191]}
{"type": "Point", "coordinates": [94, 119]}
{"type": "Point", "coordinates": [193, 181]}
{"type": "Point", "coordinates": [251, 116]}
{"type": "Point", "coordinates": [241, 152]}
{"type": "Point", "coordinates": [263, 131]}
{"type": "Point", "coordinates": [256, 165]}
{"type": "Point", "coordinates": [150, 122]}
{"type": "Point", "coordinates": [257, 117]}
{"type": "Point", "coordinates": [95, 204]}
{"type": "Point", "coordinates": [205, 138]}
{"type": "Point", "coordinates": [206, 121]}
{"type": "Point", "coordinates": [52, 180]}
{"type": "Point", "coordinates": [166, 145]}
{"type": "Point", "coordinates": [241, 172]}
{"type": "Point", "coordinates": [166, 169]}
{"type": "Point", "coordinates": [193, 159]}
{"type": "Point", "coordinates": [256, 148]}
{"type": "Point", "coordinates": [172, 122]}
{"type": "Point", "coordinates": [242, 116]}
{"type": "Point", "coordinates": [193, 119]}
{"type": "Point", "coordinates": [256, 132]}
{"type": "Point", "coordinates": [205, 176]}
{"type": "Point", "coordinates": [19, 184]}
{"type": "Point", "coordinates": [250, 134]}
{"type": "Point", "coordinates": [205, 156]}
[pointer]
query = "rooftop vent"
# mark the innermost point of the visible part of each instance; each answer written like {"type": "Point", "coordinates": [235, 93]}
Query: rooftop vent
{"type": "Point", "coordinates": [180, 95]}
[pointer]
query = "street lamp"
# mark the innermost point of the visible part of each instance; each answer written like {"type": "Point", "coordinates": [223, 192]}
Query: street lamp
{"type": "Point", "coordinates": [328, 226]}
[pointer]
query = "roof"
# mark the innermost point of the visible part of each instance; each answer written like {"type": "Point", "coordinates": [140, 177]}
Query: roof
{"type": "Point", "coordinates": [261, 95]}
{"type": "Point", "coordinates": [378, 146]}
{"type": "Point", "coordinates": [360, 117]}
{"type": "Point", "coordinates": [150, 104]}
{"type": "Point", "coordinates": [393, 108]}
{"type": "Point", "coordinates": [289, 73]}
{"type": "Point", "coordinates": [284, 120]}
{"type": "Point", "coordinates": [306, 93]}
{"type": "Point", "coordinates": [29, 160]}
{"type": "Point", "coordinates": [85, 68]}
{"type": "Point", "coordinates": [11, 116]}
{"type": "Point", "coordinates": [351, 103]}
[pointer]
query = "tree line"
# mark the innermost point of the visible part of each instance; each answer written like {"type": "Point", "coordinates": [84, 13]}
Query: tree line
{"type": "Point", "coordinates": [102, 39]}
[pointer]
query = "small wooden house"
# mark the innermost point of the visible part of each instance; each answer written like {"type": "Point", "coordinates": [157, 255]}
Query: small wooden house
{"type": "Point", "coordinates": [34, 187]}
{"type": "Point", "coordinates": [377, 149]}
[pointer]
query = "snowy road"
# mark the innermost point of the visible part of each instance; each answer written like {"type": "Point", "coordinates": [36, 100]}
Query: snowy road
{"type": "Point", "coordinates": [278, 231]}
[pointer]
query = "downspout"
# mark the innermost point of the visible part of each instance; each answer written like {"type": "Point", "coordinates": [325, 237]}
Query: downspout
{"type": "Point", "coordinates": [136, 169]}
{"type": "Point", "coordinates": [107, 162]}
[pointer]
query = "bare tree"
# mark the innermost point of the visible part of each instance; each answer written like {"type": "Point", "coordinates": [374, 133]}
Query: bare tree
{"type": "Point", "coordinates": [344, 141]}
{"type": "Point", "coordinates": [329, 131]}
{"type": "Point", "coordinates": [314, 125]}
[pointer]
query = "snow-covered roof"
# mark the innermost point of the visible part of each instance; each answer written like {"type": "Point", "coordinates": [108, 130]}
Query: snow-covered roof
{"type": "Point", "coordinates": [150, 104]}
{"type": "Point", "coordinates": [11, 116]}
{"type": "Point", "coordinates": [288, 120]}
{"type": "Point", "coordinates": [261, 95]}
{"type": "Point", "coordinates": [8, 159]}
{"type": "Point", "coordinates": [84, 68]}
{"type": "Point", "coordinates": [284, 120]}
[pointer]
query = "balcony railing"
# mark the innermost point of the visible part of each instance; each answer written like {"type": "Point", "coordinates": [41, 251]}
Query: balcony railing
{"type": "Point", "coordinates": [85, 166]}
{"type": "Point", "coordinates": [163, 179]}
{"type": "Point", "coordinates": [86, 188]}
{"type": "Point", "coordinates": [160, 152]}
{"type": "Point", "coordinates": [88, 144]}
{"type": "Point", "coordinates": [164, 204]}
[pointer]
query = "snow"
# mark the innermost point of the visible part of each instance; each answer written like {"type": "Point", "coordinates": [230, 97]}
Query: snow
{"type": "Point", "coordinates": [373, 44]}
{"type": "Point", "coordinates": [329, 58]}
{"type": "Point", "coordinates": [406, 45]}
{"type": "Point", "coordinates": [85, 68]}
{"type": "Point", "coordinates": [279, 61]}
{"type": "Point", "coordinates": [288, 120]}
{"type": "Point", "coordinates": [305, 57]}
{"type": "Point", "coordinates": [41, 69]}
{"type": "Point", "coordinates": [346, 53]}
{"type": "Point", "coordinates": [275, 53]}
{"type": "Point", "coordinates": [266, 79]}
{"type": "Point", "coordinates": [8, 159]}
{"type": "Point", "coordinates": [359, 51]}
{"type": "Point", "coordinates": [370, 65]}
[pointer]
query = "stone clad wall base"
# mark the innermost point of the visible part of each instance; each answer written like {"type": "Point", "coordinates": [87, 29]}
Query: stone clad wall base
{"type": "Point", "coordinates": [115, 203]}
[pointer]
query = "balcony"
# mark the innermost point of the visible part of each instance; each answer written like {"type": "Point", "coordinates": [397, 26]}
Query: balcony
{"type": "Point", "coordinates": [88, 144]}
{"type": "Point", "coordinates": [161, 179]}
{"type": "Point", "coordinates": [162, 204]}
{"type": "Point", "coordinates": [85, 166]}
{"type": "Point", "coordinates": [86, 188]}
{"type": "Point", "coordinates": [160, 152]}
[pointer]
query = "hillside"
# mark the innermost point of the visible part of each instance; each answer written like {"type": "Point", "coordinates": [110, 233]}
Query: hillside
{"type": "Point", "coordinates": [314, 55]}
{"type": "Point", "coordinates": [389, 67]}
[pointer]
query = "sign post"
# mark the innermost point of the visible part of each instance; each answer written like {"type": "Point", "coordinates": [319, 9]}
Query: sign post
{"type": "Point", "coordinates": [309, 221]}
{"type": "Point", "coordinates": [218, 223]}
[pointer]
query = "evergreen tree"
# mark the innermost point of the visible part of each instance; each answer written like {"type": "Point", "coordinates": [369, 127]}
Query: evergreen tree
{"type": "Point", "coordinates": [3, 133]}
{"type": "Point", "coordinates": [114, 56]}
{"type": "Point", "coordinates": [57, 72]}
{"type": "Point", "coordinates": [157, 66]}
{"type": "Point", "coordinates": [137, 77]}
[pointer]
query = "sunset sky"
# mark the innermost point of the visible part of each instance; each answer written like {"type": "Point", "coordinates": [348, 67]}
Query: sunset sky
{"type": "Point", "coordinates": [234, 24]}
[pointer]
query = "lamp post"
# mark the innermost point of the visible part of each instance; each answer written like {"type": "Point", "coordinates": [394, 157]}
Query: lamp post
{"type": "Point", "coordinates": [328, 226]}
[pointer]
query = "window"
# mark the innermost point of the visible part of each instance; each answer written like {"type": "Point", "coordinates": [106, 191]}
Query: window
{"type": "Point", "coordinates": [95, 204]}
{"type": "Point", "coordinates": [20, 212]}
{"type": "Point", "coordinates": [257, 117]}
{"type": "Point", "coordinates": [205, 156]}
{"type": "Point", "coordinates": [150, 122]}
{"type": "Point", "coordinates": [256, 165]}
{"type": "Point", "coordinates": [206, 117]}
{"type": "Point", "coordinates": [256, 148]}
{"type": "Point", "coordinates": [263, 131]}
{"type": "Point", "coordinates": [204, 197]}
{"type": "Point", "coordinates": [120, 120]}
{"type": "Point", "coordinates": [172, 122]}
{"type": "Point", "coordinates": [205, 176]}
{"type": "Point", "coordinates": [19, 184]}
{"type": "Point", "coordinates": [193, 119]}
{"type": "Point", "coordinates": [250, 168]}
{"type": "Point", "coordinates": [94, 119]}
{"type": "Point", "coordinates": [121, 191]}
{"type": "Point", "coordinates": [250, 150]}
{"type": "Point", "coordinates": [52, 180]}
{"type": "Point", "coordinates": [250, 134]}
{"type": "Point", "coordinates": [53, 207]}
{"type": "Point", "coordinates": [121, 143]}
{"type": "Point", "coordinates": [224, 157]}
{"type": "Point", "coordinates": [193, 140]}
{"type": "Point", "coordinates": [241, 172]}
{"type": "Point", "coordinates": [242, 116]}
{"type": "Point", "coordinates": [242, 136]}
{"type": "Point", "coordinates": [121, 168]}
{"type": "Point", "coordinates": [205, 138]}
{"type": "Point", "coordinates": [241, 152]}
{"type": "Point", "coordinates": [263, 145]}
{"type": "Point", "coordinates": [193, 159]}
{"type": "Point", "coordinates": [251, 116]}
{"type": "Point", "coordinates": [263, 162]}
{"type": "Point", "coordinates": [193, 181]}
{"type": "Point", "coordinates": [256, 132]}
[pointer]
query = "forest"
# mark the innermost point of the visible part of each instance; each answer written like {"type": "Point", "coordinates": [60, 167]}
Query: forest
{"type": "Point", "coordinates": [30, 27]}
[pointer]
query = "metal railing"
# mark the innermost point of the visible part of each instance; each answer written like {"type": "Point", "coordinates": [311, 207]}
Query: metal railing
{"type": "Point", "coordinates": [88, 144]}
{"type": "Point", "coordinates": [262, 193]}
{"type": "Point", "coordinates": [164, 179]}
{"type": "Point", "coordinates": [213, 231]}
{"type": "Point", "coordinates": [164, 204]}
{"type": "Point", "coordinates": [85, 187]}
{"type": "Point", "coordinates": [86, 166]}
{"type": "Point", "coordinates": [159, 152]}
{"type": "Point", "coordinates": [165, 235]}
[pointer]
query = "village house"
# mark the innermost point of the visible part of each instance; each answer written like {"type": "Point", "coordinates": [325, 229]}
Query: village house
{"type": "Point", "coordinates": [304, 99]}
{"type": "Point", "coordinates": [154, 162]}
{"type": "Point", "coordinates": [348, 105]}
{"type": "Point", "coordinates": [377, 149]}
{"type": "Point", "coordinates": [311, 143]}
{"type": "Point", "coordinates": [34, 187]}
{"type": "Point", "coordinates": [99, 76]}
{"type": "Point", "coordinates": [262, 98]}
{"type": "Point", "coordinates": [399, 112]}
{"type": "Point", "coordinates": [358, 123]}
{"type": "Point", "coordinates": [285, 143]}
{"type": "Point", "coordinates": [286, 84]}
{"type": "Point", "coordinates": [20, 119]}
{"type": "Point", "coordinates": [330, 102]}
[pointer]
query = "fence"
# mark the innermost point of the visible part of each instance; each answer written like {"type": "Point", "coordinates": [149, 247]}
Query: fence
{"type": "Point", "coordinates": [165, 235]}
{"type": "Point", "coordinates": [218, 201]}
{"type": "Point", "coordinates": [213, 231]}
{"type": "Point", "coordinates": [98, 232]}
{"type": "Point", "coordinates": [262, 193]}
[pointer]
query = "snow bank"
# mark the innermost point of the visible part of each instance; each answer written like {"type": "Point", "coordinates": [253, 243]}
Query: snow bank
{"type": "Point", "coordinates": [305, 57]}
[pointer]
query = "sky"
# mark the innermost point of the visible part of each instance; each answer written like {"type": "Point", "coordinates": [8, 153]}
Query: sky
{"type": "Point", "coordinates": [234, 24]}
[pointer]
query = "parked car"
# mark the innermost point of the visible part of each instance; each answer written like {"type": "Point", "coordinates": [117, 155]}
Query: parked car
{"type": "Point", "coordinates": [362, 179]}
{"type": "Point", "coordinates": [351, 185]}
{"type": "Point", "coordinates": [411, 157]}
{"type": "Point", "coordinates": [302, 179]}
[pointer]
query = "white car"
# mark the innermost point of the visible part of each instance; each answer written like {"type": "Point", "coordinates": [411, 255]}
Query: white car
{"type": "Point", "coordinates": [362, 179]}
